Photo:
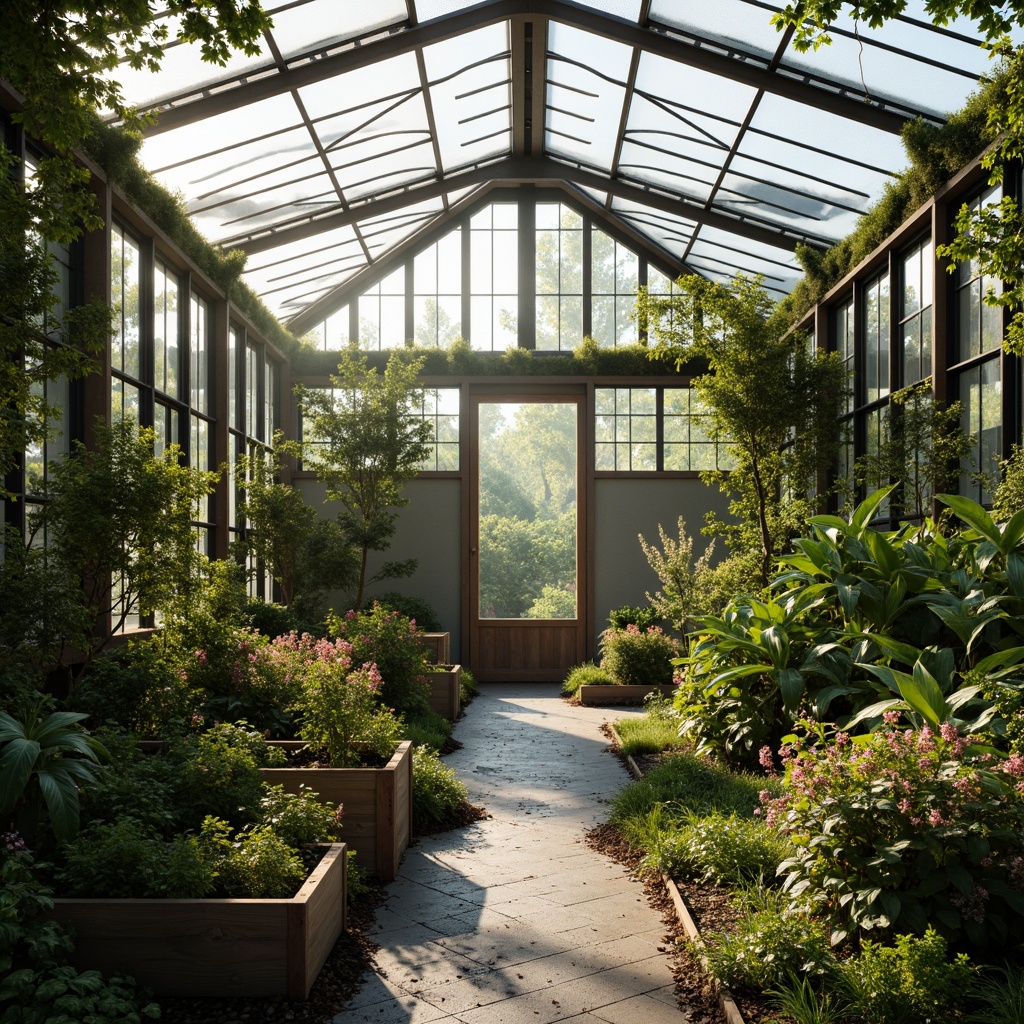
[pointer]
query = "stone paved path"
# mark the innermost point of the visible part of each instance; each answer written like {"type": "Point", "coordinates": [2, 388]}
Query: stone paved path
{"type": "Point", "coordinates": [515, 919]}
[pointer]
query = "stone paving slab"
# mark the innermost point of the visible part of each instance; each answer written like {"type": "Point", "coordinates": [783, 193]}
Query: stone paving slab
{"type": "Point", "coordinates": [514, 919]}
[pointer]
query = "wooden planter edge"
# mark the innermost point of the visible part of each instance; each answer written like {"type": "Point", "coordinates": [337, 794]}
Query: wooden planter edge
{"type": "Point", "coordinates": [216, 947]}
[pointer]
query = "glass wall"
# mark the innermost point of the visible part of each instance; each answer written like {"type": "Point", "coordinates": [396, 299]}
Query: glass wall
{"type": "Point", "coordinates": [468, 284]}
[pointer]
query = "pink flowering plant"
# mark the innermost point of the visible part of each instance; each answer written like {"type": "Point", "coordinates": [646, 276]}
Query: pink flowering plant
{"type": "Point", "coordinates": [636, 656]}
{"type": "Point", "coordinates": [904, 829]}
{"type": "Point", "coordinates": [392, 642]}
{"type": "Point", "coordinates": [338, 707]}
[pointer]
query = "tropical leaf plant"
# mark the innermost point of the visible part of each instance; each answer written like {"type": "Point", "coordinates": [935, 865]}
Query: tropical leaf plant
{"type": "Point", "coordinates": [43, 761]}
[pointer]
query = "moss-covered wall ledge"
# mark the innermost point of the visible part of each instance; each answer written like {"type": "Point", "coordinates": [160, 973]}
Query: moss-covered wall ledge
{"type": "Point", "coordinates": [587, 360]}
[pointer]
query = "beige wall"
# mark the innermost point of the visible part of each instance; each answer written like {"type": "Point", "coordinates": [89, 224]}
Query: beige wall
{"type": "Point", "coordinates": [626, 508]}
{"type": "Point", "coordinates": [428, 530]}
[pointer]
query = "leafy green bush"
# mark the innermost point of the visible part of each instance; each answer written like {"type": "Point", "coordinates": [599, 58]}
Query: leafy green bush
{"type": "Point", "coordinates": [908, 830]}
{"type": "Point", "coordinates": [414, 608]}
{"type": "Point", "coordinates": [468, 686]}
{"type": "Point", "coordinates": [139, 689]}
{"type": "Point", "coordinates": [636, 656]}
{"type": "Point", "coordinates": [768, 944]}
{"type": "Point", "coordinates": [428, 729]}
{"type": "Point", "coordinates": [436, 790]}
{"type": "Point", "coordinates": [339, 712]}
{"type": "Point", "coordinates": [272, 619]}
{"type": "Point", "coordinates": [37, 985]}
{"type": "Point", "coordinates": [642, 616]}
{"type": "Point", "coordinates": [585, 675]}
{"type": "Point", "coordinates": [125, 859]}
{"type": "Point", "coordinates": [299, 818]}
{"type": "Point", "coordinates": [391, 642]}
{"type": "Point", "coordinates": [719, 848]}
{"type": "Point", "coordinates": [912, 982]}
{"type": "Point", "coordinates": [255, 864]}
{"type": "Point", "coordinates": [219, 774]}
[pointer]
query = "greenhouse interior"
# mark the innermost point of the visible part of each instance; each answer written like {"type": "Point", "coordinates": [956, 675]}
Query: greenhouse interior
{"type": "Point", "coordinates": [617, 341]}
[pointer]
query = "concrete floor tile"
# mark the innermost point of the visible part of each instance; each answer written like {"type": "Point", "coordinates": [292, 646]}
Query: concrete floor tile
{"type": "Point", "coordinates": [644, 1008]}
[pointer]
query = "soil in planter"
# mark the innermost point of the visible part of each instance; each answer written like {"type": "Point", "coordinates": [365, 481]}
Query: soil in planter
{"type": "Point", "coordinates": [303, 757]}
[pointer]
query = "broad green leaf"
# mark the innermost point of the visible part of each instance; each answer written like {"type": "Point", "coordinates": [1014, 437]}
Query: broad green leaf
{"type": "Point", "coordinates": [865, 511]}
{"type": "Point", "coordinates": [777, 644]}
{"type": "Point", "coordinates": [1013, 533]}
{"type": "Point", "coordinates": [974, 515]}
{"type": "Point", "coordinates": [848, 598]}
{"type": "Point", "coordinates": [924, 695]}
{"type": "Point", "coordinates": [1001, 659]}
{"type": "Point", "coordinates": [791, 687]}
{"type": "Point", "coordinates": [1015, 572]}
{"type": "Point", "coordinates": [890, 676]}
{"type": "Point", "coordinates": [906, 653]}
{"type": "Point", "coordinates": [60, 795]}
{"type": "Point", "coordinates": [16, 763]}
{"type": "Point", "coordinates": [827, 522]}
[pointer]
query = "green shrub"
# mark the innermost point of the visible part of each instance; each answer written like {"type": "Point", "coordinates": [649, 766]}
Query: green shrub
{"type": "Point", "coordinates": [256, 864]}
{"type": "Point", "coordinates": [299, 818]}
{"type": "Point", "coordinates": [415, 608]}
{"type": "Point", "coordinates": [913, 982]}
{"type": "Point", "coordinates": [272, 619]}
{"type": "Point", "coordinates": [636, 656]}
{"type": "Point", "coordinates": [391, 642]}
{"type": "Point", "coordinates": [585, 675]}
{"type": "Point", "coordinates": [37, 985]}
{"type": "Point", "coordinates": [907, 831]}
{"type": "Point", "coordinates": [219, 774]}
{"type": "Point", "coordinates": [139, 689]}
{"type": "Point", "coordinates": [721, 848]}
{"type": "Point", "coordinates": [436, 790]}
{"type": "Point", "coordinates": [125, 859]}
{"type": "Point", "coordinates": [767, 945]}
{"type": "Point", "coordinates": [428, 729]}
{"type": "Point", "coordinates": [468, 686]}
{"type": "Point", "coordinates": [356, 884]}
{"type": "Point", "coordinates": [642, 616]}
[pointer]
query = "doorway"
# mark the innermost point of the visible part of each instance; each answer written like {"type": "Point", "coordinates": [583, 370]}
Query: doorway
{"type": "Point", "coordinates": [527, 565]}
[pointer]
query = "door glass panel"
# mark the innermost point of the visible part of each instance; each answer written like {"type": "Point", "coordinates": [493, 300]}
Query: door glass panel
{"type": "Point", "coordinates": [527, 504]}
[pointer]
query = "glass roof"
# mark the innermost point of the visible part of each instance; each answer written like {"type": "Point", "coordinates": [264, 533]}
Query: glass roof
{"type": "Point", "coordinates": [360, 130]}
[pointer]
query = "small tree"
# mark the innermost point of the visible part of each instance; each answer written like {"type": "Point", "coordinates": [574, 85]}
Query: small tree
{"type": "Point", "coordinates": [370, 442]}
{"type": "Point", "coordinates": [307, 556]}
{"type": "Point", "coordinates": [771, 402]}
{"type": "Point", "coordinates": [687, 589]}
{"type": "Point", "coordinates": [118, 521]}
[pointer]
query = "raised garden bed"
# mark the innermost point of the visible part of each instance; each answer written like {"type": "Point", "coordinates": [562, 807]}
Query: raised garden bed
{"type": "Point", "coordinates": [593, 694]}
{"type": "Point", "coordinates": [438, 647]}
{"type": "Point", "coordinates": [445, 683]}
{"type": "Point", "coordinates": [216, 947]}
{"type": "Point", "coordinates": [377, 819]}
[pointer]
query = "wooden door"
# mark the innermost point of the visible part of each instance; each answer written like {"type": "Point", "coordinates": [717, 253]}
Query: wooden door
{"type": "Point", "coordinates": [526, 536]}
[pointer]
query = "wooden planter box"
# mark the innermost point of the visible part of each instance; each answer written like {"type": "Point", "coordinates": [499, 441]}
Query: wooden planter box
{"type": "Point", "coordinates": [633, 694]}
{"type": "Point", "coordinates": [219, 947]}
{"type": "Point", "coordinates": [377, 820]}
{"type": "Point", "coordinates": [438, 647]}
{"type": "Point", "coordinates": [445, 690]}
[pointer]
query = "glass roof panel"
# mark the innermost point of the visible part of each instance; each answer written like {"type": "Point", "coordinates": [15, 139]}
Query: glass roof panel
{"type": "Point", "coordinates": [893, 62]}
{"type": "Point", "coordinates": [583, 106]}
{"type": "Point", "coordinates": [315, 24]}
{"type": "Point", "coordinates": [223, 140]}
{"type": "Point", "coordinates": [720, 253]}
{"type": "Point", "coordinates": [183, 71]}
{"type": "Point", "coordinates": [729, 24]}
{"type": "Point", "coordinates": [471, 95]}
{"type": "Point", "coordinates": [669, 232]}
{"type": "Point", "coordinates": [393, 77]}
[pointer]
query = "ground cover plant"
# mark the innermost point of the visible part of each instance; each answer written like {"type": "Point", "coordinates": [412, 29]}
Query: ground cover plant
{"type": "Point", "coordinates": [586, 675]}
{"type": "Point", "coordinates": [636, 656]}
{"type": "Point", "coordinates": [655, 731]}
